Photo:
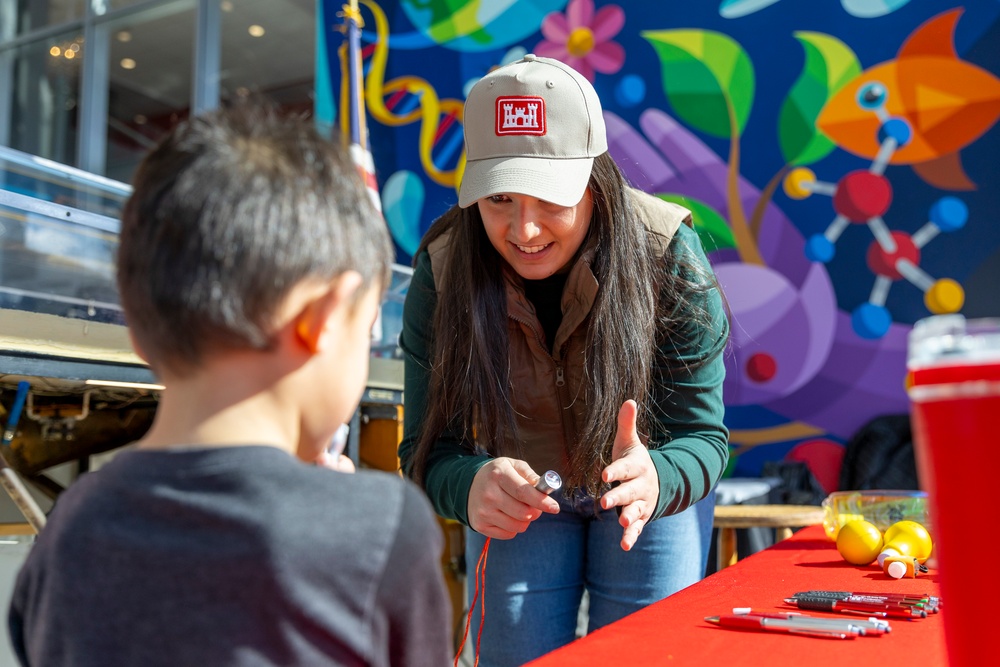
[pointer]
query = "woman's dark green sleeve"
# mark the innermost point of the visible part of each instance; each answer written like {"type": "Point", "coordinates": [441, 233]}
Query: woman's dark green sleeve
{"type": "Point", "coordinates": [692, 454]}
{"type": "Point", "coordinates": [451, 465]}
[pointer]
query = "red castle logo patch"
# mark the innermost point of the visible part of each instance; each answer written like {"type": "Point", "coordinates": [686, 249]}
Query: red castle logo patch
{"type": "Point", "coordinates": [520, 115]}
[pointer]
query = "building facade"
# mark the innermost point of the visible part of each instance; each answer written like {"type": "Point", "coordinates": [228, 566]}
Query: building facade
{"type": "Point", "coordinates": [95, 83]}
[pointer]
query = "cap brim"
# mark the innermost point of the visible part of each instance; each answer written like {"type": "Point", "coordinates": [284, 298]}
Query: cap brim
{"type": "Point", "coordinates": [561, 182]}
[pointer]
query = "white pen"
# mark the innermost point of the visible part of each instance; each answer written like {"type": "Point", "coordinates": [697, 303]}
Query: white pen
{"type": "Point", "coordinates": [765, 624]}
{"type": "Point", "coordinates": [860, 626]}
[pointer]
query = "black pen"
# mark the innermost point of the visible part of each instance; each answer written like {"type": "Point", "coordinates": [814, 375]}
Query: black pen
{"type": "Point", "coordinates": [929, 602]}
{"type": "Point", "coordinates": [897, 600]}
{"type": "Point", "coordinates": [877, 609]}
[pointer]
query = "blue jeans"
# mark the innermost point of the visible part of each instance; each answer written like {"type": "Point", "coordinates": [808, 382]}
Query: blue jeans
{"type": "Point", "coordinates": [535, 582]}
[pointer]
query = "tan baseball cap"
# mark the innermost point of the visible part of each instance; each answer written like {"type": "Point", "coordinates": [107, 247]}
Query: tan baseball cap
{"type": "Point", "coordinates": [532, 127]}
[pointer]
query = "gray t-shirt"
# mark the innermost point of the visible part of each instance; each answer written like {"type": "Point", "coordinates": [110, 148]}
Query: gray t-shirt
{"type": "Point", "coordinates": [233, 556]}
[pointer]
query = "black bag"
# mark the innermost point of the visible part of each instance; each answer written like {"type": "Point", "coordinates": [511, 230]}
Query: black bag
{"type": "Point", "coordinates": [798, 485]}
{"type": "Point", "coordinates": [880, 456]}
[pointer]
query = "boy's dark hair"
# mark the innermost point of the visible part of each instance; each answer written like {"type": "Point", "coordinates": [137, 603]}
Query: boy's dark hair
{"type": "Point", "coordinates": [229, 212]}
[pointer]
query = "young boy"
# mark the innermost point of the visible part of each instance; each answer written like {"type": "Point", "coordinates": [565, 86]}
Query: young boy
{"type": "Point", "coordinates": [250, 267]}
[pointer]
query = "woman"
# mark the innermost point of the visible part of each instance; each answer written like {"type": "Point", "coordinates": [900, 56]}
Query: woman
{"type": "Point", "coordinates": [558, 319]}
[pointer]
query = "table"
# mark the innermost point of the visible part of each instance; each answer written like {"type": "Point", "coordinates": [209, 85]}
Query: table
{"type": "Point", "coordinates": [780, 517]}
{"type": "Point", "coordinates": [674, 632]}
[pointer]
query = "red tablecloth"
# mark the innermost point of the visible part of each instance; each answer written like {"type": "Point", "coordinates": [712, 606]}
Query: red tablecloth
{"type": "Point", "coordinates": [674, 632]}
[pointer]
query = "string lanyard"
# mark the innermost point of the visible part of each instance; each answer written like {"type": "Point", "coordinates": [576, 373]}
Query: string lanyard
{"type": "Point", "coordinates": [480, 583]}
{"type": "Point", "coordinates": [547, 483]}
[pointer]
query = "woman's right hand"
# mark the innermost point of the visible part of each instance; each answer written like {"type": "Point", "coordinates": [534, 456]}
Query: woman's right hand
{"type": "Point", "coordinates": [503, 499]}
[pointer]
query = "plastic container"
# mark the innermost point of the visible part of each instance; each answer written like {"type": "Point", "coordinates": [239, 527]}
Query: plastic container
{"type": "Point", "coordinates": [954, 390]}
{"type": "Point", "coordinates": [881, 507]}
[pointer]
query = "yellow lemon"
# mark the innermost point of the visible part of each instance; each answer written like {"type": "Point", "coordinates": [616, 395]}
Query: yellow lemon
{"type": "Point", "coordinates": [910, 539]}
{"type": "Point", "coordinates": [859, 542]}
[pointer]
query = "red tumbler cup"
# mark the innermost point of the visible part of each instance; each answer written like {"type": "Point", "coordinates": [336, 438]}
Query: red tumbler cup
{"type": "Point", "coordinates": [954, 389]}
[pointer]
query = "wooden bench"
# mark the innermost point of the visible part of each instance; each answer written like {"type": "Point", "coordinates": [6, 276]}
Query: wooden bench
{"type": "Point", "coordinates": [780, 517]}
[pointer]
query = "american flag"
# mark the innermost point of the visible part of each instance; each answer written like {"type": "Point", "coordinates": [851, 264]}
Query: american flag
{"type": "Point", "coordinates": [354, 125]}
{"type": "Point", "coordinates": [352, 101]}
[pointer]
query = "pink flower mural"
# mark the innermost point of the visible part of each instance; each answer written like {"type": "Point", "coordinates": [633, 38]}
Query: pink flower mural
{"type": "Point", "coordinates": [582, 39]}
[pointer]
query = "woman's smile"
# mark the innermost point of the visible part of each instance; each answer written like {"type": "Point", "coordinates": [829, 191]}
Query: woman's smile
{"type": "Point", "coordinates": [532, 249]}
{"type": "Point", "coordinates": [536, 237]}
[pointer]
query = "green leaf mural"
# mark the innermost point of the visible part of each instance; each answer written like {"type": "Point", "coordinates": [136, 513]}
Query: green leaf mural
{"type": "Point", "coordinates": [712, 228]}
{"type": "Point", "coordinates": [452, 19]}
{"type": "Point", "coordinates": [706, 75]}
{"type": "Point", "coordinates": [478, 25]}
{"type": "Point", "coordinates": [828, 66]}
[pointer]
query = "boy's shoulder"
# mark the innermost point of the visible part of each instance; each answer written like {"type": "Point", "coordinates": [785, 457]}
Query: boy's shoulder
{"type": "Point", "coordinates": [179, 507]}
{"type": "Point", "coordinates": [254, 524]}
{"type": "Point", "coordinates": [286, 491]}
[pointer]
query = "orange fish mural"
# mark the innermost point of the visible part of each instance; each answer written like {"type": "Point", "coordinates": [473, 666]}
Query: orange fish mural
{"type": "Point", "coordinates": [946, 102]}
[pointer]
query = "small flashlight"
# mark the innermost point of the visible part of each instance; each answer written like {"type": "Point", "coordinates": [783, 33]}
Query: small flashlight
{"type": "Point", "coordinates": [549, 482]}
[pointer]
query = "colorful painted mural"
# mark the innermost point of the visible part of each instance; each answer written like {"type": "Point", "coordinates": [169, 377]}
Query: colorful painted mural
{"type": "Point", "coordinates": [838, 156]}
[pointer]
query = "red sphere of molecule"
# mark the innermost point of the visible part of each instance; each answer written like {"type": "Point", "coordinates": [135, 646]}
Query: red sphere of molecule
{"type": "Point", "coordinates": [761, 367]}
{"type": "Point", "coordinates": [862, 195]}
{"type": "Point", "coordinates": [884, 263]}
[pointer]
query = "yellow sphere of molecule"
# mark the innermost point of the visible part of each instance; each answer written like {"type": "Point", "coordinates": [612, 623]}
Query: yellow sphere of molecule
{"type": "Point", "coordinates": [859, 542]}
{"type": "Point", "coordinates": [944, 296]}
{"type": "Point", "coordinates": [796, 182]}
{"type": "Point", "coordinates": [910, 539]}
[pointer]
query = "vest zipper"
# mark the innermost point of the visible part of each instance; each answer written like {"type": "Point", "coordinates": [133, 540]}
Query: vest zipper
{"type": "Point", "coordinates": [560, 376]}
{"type": "Point", "coordinates": [567, 429]}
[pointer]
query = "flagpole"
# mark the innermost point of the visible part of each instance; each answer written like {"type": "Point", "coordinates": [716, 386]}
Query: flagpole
{"type": "Point", "coordinates": [357, 127]}
{"type": "Point", "coordinates": [356, 134]}
{"type": "Point", "coordinates": [354, 124]}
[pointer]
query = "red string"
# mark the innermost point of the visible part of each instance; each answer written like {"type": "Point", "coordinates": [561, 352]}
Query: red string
{"type": "Point", "coordinates": [482, 601]}
{"type": "Point", "coordinates": [480, 583]}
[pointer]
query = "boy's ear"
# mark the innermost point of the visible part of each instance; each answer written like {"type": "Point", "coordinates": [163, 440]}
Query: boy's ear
{"type": "Point", "coordinates": [312, 323]}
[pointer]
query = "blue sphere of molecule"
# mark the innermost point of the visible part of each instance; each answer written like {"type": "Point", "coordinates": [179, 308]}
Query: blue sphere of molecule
{"type": "Point", "coordinates": [949, 213]}
{"type": "Point", "coordinates": [819, 248]}
{"type": "Point", "coordinates": [631, 90]}
{"type": "Point", "coordinates": [896, 128]}
{"type": "Point", "coordinates": [871, 321]}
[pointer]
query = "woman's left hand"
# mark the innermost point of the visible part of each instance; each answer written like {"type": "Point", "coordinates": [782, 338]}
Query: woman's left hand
{"type": "Point", "coordinates": [638, 486]}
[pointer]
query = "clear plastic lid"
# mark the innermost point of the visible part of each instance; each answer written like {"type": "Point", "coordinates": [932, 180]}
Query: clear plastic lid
{"type": "Point", "coordinates": [947, 339]}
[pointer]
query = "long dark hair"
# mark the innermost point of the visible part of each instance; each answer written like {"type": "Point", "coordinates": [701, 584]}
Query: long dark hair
{"type": "Point", "coordinates": [648, 296]}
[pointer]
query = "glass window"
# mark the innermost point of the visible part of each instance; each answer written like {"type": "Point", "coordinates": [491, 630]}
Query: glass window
{"type": "Point", "coordinates": [150, 69]}
{"type": "Point", "coordinates": [116, 4]}
{"type": "Point", "coordinates": [45, 95]}
{"type": "Point", "coordinates": [35, 14]}
{"type": "Point", "coordinates": [267, 48]}
{"type": "Point", "coordinates": [8, 19]}
{"type": "Point", "coordinates": [147, 59]}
